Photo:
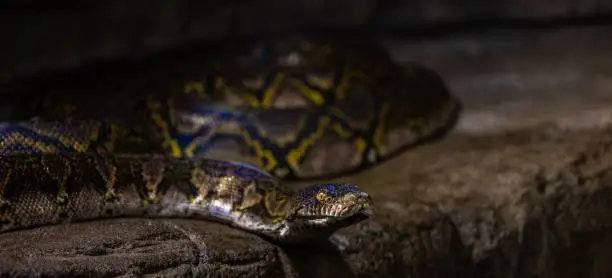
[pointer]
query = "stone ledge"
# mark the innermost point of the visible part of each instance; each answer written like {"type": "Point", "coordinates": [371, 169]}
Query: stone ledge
{"type": "Point", "coordinates": [522, 201]}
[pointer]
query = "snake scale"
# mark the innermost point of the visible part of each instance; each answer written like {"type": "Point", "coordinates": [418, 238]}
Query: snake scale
{"type": "Point", "coordinates": [211, 136]}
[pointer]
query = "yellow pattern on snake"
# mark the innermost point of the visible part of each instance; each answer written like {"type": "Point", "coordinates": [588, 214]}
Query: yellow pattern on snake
{"type": "Point", "coordinates": [38, 189]}
{"type": "Point", "coordinates": [297, 108]}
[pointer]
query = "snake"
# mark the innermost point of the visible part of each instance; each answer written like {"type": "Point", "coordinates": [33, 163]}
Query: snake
{"type": "Point", "coordinates": [44, 188]}
{"type": "Point", "coordinates": [214, 135]}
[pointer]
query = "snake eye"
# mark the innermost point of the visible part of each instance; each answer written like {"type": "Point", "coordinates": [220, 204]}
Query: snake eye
{"type": "Point", "coordinates": [322, 196]}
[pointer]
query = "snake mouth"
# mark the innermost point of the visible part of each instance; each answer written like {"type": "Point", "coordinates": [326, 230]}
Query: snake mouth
{"type": "Point", "coordinates": [352, 213]}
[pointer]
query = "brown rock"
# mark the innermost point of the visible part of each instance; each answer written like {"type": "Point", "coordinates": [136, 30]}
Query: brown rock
{"type": "Point", "coordinates": [133, 247]}
{"type": "Point", "coordinates": [535, 203]}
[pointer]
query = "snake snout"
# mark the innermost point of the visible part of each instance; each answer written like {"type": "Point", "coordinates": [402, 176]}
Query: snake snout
{"type": "Point", "coordinates": [366, 198]}
{"type": "Point", "coordinates": [366, 204]}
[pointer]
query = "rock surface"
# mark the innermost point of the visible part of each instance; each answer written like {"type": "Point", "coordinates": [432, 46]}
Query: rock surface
{"type": "Point", "coordinates": [534, 203]}
{"type": "Point", "coordinates": [41, 37]}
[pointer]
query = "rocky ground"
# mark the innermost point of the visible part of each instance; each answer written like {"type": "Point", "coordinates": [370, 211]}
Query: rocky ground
{"type": "Point", "coordinates": [521, 188]}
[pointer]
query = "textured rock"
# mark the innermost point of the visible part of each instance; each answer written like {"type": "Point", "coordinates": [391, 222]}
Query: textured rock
{"type": "Point", "coordinates": [40, 37]}
{"type": "Point", "coordinates": [535, 203]}
{"type": "Point", "coordinates": [177, 248]}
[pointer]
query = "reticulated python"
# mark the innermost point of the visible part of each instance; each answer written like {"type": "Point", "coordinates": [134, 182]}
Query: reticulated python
{"type": "Point", "coordinates": [298, 109]}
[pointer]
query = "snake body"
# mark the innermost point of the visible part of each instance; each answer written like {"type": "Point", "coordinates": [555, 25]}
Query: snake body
{"type": "Point", "coordinates": [296, 109]}
{"type": "Point", "coordinates": [42, 189]}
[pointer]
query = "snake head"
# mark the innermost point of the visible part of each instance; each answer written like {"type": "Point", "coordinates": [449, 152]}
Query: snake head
{"type": "Point", "coordinates": [322, 209]}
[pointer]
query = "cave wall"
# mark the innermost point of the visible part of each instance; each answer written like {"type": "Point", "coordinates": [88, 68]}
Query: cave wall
{"type": "Point", "coordinates": [41, 37]}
